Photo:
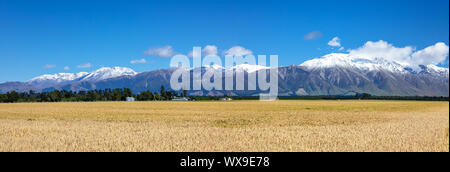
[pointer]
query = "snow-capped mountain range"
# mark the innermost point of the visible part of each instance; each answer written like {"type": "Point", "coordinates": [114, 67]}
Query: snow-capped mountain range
{"type": "Point", "coordinates": [366, 65]}
{"type": "Point", "coordinates": [328, 61]}
{"type": "Point", "coordinates": [332, 74]}
{"type": "Point", "coordinates": [112, 72]}
{"type": "Point", "coordinates": [103, 73]}
{"type": "Point", "coordinates": [59, 77]}
{"type": "Point", "coordinates": [108, 72]}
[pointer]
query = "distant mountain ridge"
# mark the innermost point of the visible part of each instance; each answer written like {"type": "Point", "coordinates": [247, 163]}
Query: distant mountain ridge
{"type": "Point", "coordinates": [366, 65]}
{"type": "Point", "coordinates": [48, 80]}
{"type": "Point", "coordinates": [103, 73]}
{"type": "Point", "coordinates": [333, 74]}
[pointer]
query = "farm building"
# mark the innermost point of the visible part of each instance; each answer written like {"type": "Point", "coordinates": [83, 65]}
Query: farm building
{"type": "Point", "coordinates": [130, 99]}
{"type": "Point", "coordinates": [181, 99]}
{"type": "Point", "coordinates": [226, 99]}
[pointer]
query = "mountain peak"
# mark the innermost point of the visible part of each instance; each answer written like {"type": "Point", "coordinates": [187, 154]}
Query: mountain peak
{"type": "Point", "coordinates": [353, 62]}
{"type": "Point", "coordinates": [59, 76]}
{"type": "Point", "coordinates": [97, 75]}
{"type": "Point", "coordinates": [108, 72]}
{"type": "Point", "coordinates": [434, 70]}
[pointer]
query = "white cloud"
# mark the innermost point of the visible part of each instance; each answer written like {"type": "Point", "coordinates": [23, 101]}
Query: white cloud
{"type": "Point", "coordinates": [86, 65]}
{"type": "Point", "coordinates": [238, 51]}
{"type": "Point", "coordinates": [434, 54]}
{"type": "Point", "coordinates": [312, 35]}
{"type": "Point", "coordinates": [163, 52]}
{"type": "Point", "coordinates": [209, 50]}
{"type": "Point", "coordinates": [335, 42]}
{"type": "Point", "coordinates": [383, 49]}
{"type": "Point", "coordinates": [138, 61]}
{"type": "Point", "coordinates": [49, 66]}
{"type": "Point", "coordinates": [407, 55]}
{"type": "Point", "coordinates": [66, 68]}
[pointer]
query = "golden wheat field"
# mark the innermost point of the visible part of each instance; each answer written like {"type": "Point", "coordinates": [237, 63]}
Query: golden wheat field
{"type": "Point", "coordinates": [288, 125]}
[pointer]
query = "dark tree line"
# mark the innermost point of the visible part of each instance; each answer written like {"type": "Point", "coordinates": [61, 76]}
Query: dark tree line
{"type": "Point", "coordinates": [121, 94]}
{"type": "Point", "coordinates": [118, 94]}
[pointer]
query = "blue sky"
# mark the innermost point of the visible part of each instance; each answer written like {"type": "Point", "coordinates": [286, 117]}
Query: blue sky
{"type": "Point", "coordinates": [39, 37]}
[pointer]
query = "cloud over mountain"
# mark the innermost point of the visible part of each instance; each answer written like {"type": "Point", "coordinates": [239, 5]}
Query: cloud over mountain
{"type": "Point", "coordinates": [238, 51]}
{"type": "Point", "coordinates": [407, 56]}
{"type": "Point", "coordinates": [209, 50]}
{"type": "Point", "coordinates": [434, 54]}
{"type": "Point", "coordinates": [335, 42]}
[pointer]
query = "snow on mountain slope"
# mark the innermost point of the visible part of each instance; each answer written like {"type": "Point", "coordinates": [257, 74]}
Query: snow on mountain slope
{"type": "Point", "coordinates": [238, 68]}
{"type": "Point", "coordinates": [108, 72]}
{"type": "Point", "coordinates": [49, 80]}
{"type": "Point", "coordinates": [214, 66]}
{"type": "Point", "coordinates": [249, 68]}
{"type": "Point", "coordinates": [59, 77]}
{"type": "Point", "coordinates": [348, 61]}
{"type": "Point", "coordinates": [435, 70]}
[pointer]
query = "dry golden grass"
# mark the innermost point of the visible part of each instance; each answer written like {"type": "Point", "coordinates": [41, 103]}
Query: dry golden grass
{"type": "Point", "coordinates": [226, 126]}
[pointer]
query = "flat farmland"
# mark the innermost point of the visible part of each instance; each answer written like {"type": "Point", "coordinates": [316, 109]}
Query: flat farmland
{"type": "Point", "coordinates": [285, 125]}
